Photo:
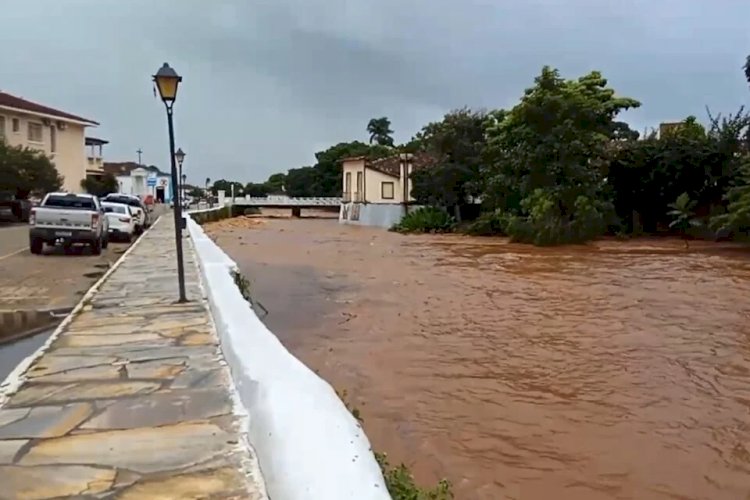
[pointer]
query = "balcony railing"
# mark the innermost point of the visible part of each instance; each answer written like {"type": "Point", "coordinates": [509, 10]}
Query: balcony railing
{"type": "Point", "coordinates": [356, 196]}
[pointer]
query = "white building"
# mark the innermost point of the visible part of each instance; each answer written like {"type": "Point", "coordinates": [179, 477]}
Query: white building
{"type": "Point", "coordinates": [142, 181]}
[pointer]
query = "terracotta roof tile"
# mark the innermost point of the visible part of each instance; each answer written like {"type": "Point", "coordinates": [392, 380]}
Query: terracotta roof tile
{"type": "Point", "coordinates": [12, 101]}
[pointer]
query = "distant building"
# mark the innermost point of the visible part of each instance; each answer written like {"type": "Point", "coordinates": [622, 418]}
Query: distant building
{"type": "Point", "coordinates": [378, 192]}
{"type": "Point", "coordinates": [57, 134]}
{"type": "Point", "coordinates": [140, 180]}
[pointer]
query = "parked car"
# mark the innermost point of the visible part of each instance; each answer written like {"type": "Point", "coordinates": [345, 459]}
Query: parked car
{"type": "Point", "coordinates": [141, 213]}
{"type": "Point", "coordinates": [13, 209]}
{"type": "Point", "coordinates": [70, 219]}
{"type": "Point", "coordinates": [121, 221]}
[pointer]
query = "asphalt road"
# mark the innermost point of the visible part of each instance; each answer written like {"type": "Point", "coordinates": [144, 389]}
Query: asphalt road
{"type": "Point", "coordinates": [14, 238]}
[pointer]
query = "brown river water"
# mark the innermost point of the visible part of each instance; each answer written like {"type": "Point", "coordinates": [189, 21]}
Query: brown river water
{"type": "Point", "coordinates": [611, 370]}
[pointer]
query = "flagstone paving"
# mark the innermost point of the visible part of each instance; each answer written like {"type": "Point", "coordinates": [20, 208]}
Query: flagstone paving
{"type": "Point", "coordinates": [133, 399]}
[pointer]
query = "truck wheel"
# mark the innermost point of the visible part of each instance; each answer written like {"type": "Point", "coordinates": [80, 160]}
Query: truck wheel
{"type": "Point", "coordinates": [36, 246]}
{"type": "Point", "coordinates": [96, 247]}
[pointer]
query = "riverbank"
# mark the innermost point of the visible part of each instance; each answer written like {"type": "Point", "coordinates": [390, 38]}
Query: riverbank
{"type": "Point", "coordinates": [609, 370]}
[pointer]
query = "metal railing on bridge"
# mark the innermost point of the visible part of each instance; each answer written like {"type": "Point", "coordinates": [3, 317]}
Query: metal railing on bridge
{"type": "Point", "coordinates": [288, 202]}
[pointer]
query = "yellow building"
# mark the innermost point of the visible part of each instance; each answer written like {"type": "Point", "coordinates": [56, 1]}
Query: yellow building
{"type": "Point", "coordinates": [378, 192]}
{"type": "Point", "coordinates": [59, 135]}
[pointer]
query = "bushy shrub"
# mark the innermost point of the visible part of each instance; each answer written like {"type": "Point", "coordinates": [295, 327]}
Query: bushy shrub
{"type": "Point", "coordinates": [543, 223]}
{"type": "Point", "coordinates": [489, 224]}
{"type": "Point", "coordinates": [425, 220]}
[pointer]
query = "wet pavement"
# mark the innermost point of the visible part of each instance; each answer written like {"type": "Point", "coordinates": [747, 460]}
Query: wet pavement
{"type": "Point", "coordinates": [132, 399]}
{"type": "Point", "coordinates": [14, 352]}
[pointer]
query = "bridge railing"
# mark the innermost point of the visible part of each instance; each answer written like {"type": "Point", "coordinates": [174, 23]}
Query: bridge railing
{"type": "Point", "coordinates": [258, 200]}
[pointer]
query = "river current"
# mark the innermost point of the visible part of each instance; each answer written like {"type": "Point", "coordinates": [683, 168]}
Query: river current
{"type": "Point", "coordinates": [605, 371]}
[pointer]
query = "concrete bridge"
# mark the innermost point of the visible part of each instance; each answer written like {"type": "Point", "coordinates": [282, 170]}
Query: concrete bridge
{"type": "Point", "coordinates": [296, 204]}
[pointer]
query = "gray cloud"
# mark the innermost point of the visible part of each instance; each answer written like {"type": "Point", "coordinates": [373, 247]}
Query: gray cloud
{"type": "Point", "coordinates": [268, 83]}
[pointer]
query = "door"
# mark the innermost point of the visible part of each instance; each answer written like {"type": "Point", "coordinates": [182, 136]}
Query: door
{"type": "Point", "coordinates": [160, 194]}
{"type": "Point", "coordinates": [348, 186]}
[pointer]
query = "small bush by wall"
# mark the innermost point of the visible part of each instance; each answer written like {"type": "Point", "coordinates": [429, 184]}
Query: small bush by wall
{"type": "Point", "coordinates": [426, 220]}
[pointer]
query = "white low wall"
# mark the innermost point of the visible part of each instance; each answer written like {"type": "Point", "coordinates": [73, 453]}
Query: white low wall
{"type": "Point", "coordinates": [371, 214]}
{"type": "Point", "coordinates": [308, 444]}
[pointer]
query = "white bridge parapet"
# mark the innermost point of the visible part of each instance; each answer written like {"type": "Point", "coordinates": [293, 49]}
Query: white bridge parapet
{"type": "Point", "coordinates": [288, 202]}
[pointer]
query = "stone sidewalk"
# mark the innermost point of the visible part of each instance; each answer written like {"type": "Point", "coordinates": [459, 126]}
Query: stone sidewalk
{"type": "Point", "coordinates": [132, 399]}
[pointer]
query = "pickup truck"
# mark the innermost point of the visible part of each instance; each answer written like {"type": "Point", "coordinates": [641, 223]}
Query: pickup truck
{"type": "Point", "coordinates": [68, 218]}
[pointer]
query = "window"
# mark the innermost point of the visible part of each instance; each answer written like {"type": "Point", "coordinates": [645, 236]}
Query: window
{"type": "Point", "coordinates": [35, 132]}
{"type": "Point", "coordinates": [52, 140]}
{"type": "Point", "coordinates": [386, 190]}
{"type": "Point", "coordinates": [16, 125]}
{"type": "Point", "coordinates": [2, 126]}
{"type": "Point", "coordinates": [70, 201]}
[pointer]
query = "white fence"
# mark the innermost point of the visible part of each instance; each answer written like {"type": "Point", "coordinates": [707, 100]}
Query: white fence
{"type": "Point", "coordinates": [290, 202]}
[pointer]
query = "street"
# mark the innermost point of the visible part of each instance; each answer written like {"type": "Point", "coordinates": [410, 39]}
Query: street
{"type": "Point", "coordinates": [13, 238]}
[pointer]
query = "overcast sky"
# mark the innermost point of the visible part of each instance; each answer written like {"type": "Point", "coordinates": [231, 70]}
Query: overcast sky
{"type": "Point", "coordinates": [267, 83]}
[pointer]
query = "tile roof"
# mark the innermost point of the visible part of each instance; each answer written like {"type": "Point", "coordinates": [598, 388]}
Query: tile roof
{"type": "Point", "coordinates": [391, 165]}
{"type": "Point", "coordinates": [14, 102]}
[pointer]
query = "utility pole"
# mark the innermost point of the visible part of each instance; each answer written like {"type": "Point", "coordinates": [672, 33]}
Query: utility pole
{"type": "Point", "coordinates": [139, 156]}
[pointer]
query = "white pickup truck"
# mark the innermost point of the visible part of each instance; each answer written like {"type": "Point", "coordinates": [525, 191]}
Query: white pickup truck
{"type": "Point", "coordinates": [68, 218]}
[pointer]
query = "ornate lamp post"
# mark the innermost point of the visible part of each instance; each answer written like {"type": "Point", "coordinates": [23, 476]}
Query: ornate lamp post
{"type": "Point", "coordinates": [167, 80]}
{"type": "Point", "coordinates": [180, 157]}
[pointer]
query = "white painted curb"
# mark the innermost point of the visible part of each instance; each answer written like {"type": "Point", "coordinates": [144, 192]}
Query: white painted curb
{"type": "Point", "coordinates": [308, 444]}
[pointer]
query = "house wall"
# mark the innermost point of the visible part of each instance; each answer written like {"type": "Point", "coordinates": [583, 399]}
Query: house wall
{"type": "Point", "coordinates": [69, 156]}
{"type": "Point", "coordinates": [136, 183]}
{"type": "Point", "coordinates": [373, 182]}
{"type": "Point", "coordinates": [352, 167]}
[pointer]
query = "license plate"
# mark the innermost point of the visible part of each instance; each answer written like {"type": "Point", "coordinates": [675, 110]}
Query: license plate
{"type": "Point", "coordinates": [64, 234]}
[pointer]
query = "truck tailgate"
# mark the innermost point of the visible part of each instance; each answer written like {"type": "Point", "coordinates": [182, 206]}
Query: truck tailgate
{"type": "Point", "coordinates": [59, 218]}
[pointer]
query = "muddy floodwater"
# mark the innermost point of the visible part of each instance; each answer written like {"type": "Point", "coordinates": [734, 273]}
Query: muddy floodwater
{"type": "Point", "coordinates": [612, 370]}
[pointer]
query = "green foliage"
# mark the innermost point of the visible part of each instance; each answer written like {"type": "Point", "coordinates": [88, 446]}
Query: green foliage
{"type": "Point", "coordinates": [747, 69]}
{"type": "Point", "coordinates": [226, 186]}
{"type": "Point", "coordinates": [108, 184]}
{"type": "Point", "coordinates": [380, 131]}
{"type": "Point", "coordinates": [737, 217]}
{"type": "Point", "coordinates": [547, 157]}
{"type": "Point", "coordinates": [196, 193]}
{"type": "Point", "coordinates": [24, 171]}
{"type": "Point", "coordinates": [256, 189]}
{"type": "Point", "coordinates": [682, 213]}
{"type": "Point", "coordinates": [492, 223]}
{"type": "Point", "coordinates": [457, 143]}
{"type": "Point", "coordinates": [425, 220]}
{"type": "Point", "coordinates": [401, 485]}
{"type": "Point", "coordinates": [645, 176]}
{"type": "Point", "coordinates": [543, 222]}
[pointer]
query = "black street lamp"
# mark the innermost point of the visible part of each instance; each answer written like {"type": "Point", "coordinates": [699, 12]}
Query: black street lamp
{"type": "Point", "coordinates": [167, 80]}
{"type": "Point", "coordinates": [180, 157]}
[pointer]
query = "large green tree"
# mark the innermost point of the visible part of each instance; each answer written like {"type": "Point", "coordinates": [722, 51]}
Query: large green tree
{"type": "Point", "coordinates": [457, 143]}
{"type": "Point", "coordinates": [380, 131]}
{"type": "Point", "coordinates": [101, 187]}
{"type": "Point", "coordinates": [24, 171]}
{"type": "Point", "coordinates": [547, 159]}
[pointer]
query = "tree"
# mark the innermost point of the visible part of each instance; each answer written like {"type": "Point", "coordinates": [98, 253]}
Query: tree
{"type": "Point", "coordinates": [276, 182]}
{"type": "Point", "coordinates": [547, 159]}
{"type": "Point", "coordinates": [747, 69]}
{"type": "Point", "coordinates": [457, 143]}
{"type": "Point", "coordinates": [101, 187]}
{"type": "Point", "coordinates": [737, 218]}
{"type": "Point", "coordinates": [226, 186]}
{"type": "Point", "coordinates": [682, 215]}
{"type": "Point", "coordinates": [24, 172]}
{"type": "Point", "coordinates": [301, 182]}
{"type": "Point", "coordinates": [380, 131]}
{"type": "Point", "coordinates": [257, 190]}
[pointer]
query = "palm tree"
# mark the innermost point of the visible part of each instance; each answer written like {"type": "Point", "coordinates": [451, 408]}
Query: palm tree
{"type": "Point", "coordinates": [380, 131]}
{"type": "Point", "coordinates": [747, 69]}
{"type": "Point", "coordinates": [208, 194]}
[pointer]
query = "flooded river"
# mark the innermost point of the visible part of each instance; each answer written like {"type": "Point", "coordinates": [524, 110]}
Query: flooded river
{"type": "Point", "coordinates": [615, 370]}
